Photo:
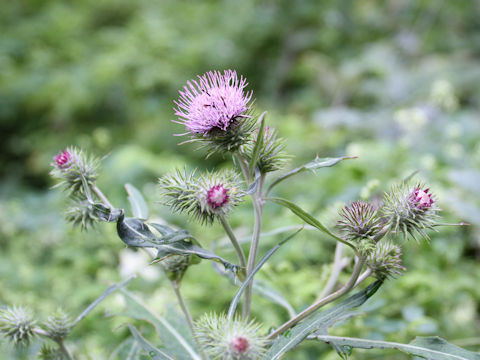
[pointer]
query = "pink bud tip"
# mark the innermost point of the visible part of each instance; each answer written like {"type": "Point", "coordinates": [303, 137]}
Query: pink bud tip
{"type": "Point", "coordinates": [239, 344]}
{"type": "Point", "coordinates": [62, 159]}
{"type": "Point", "coordinates": [217, 196]}
{"type": "Point", "coordinates": [421, 199]}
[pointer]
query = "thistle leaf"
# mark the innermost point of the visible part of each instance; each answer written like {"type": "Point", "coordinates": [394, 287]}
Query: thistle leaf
{"type": "Point", "coordinates": [137, 202]}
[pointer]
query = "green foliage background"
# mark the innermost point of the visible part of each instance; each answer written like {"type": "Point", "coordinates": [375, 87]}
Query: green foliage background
{"type": "Point", "coordinates": [396, 83]}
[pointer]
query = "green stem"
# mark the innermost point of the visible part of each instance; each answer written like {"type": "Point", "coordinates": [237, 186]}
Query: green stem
{"type": "Point", "coordinates": [252, 255]}
{"type": "Point", "coordinates": [236, 245]}
{"type": "Point", "coordinates": [186, 312]}
{"type": "Point", "coordinates": [318, 304]}
{"type": "Point", "coordinates": [64, 349]}
{"type": "Point", "coordinates": [102, 197]}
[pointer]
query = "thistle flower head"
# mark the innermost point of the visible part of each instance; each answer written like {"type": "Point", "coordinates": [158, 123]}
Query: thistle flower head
{"type": "Point", "coordinates": [359, 221]}
{"type": "Point", "coordinates": [410, 210]}
{"type": "Point", "coordinates": [17, 324]}
{"type": "Point", "coordinates": [204, 197]}
{"type": "Point", "coordinates": [75, 169]}
{"type": "Point", "coordinates": [224, 339]}
{"type": "Point", "coordinates": [215, 108]}
{"type": "Point", "coordinates": [81, 213]}
{"type": "Point", "coordinates": [175, 266]}
{"type": "Point", "coordinates": [58, 325]}
{"type": "Point", "coordinates": [62, 159]}
{"type": "Point", "coordinates": [386, 262]}
{"type": "Point", "coordinates": [271, 156]}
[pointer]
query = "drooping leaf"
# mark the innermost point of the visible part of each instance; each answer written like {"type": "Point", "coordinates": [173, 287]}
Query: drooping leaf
{"type": "Point", "coordinates": [135, 232]}
{"type": "Point", "coordinates": [107, 214]}
{"type": "Point", "coordinates": [318, 322]}
{"type": "Point", "coordinates": [152, 351]}
{"type": "Point", "coordinates": [312, 165]}
{"type": "Point", "coordinates": [102, 297]}
{"type": "Point", "coordinates": [177, 343]}
{"type": "Point", "coordinates": [236, 298]}
{"type": "Point", "coordinates": [137, 202]}
{"type": "Point", "coordinates": [309, 219]}
{"type": "Point", "coordinates": [429, 348]}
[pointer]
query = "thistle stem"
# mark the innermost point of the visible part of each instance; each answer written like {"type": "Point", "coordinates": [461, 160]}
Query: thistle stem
{"type": "Point", "coordinates": [318, 304]}
{"type": "Point", "coordinates": [236, 245]}
{"type": "Point", "coordinates": [186, 312]}
{"type": "Point", "coordinates": [64, 350]}
{"type": "Point", "coordinates": [102, 196]}
{"type": "Point", "coordinates": [364, 276]}
{"type": "Point", "coordinates": [338, 265]}
{"type": "Point", "coordinates": [183, 304]}
{"type": "Point", "coordinates": [252, 255]}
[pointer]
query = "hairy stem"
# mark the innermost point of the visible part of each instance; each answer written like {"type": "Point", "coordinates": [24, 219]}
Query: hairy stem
{"type": "Point", "coordinates": [186, 312]}
{"type": "Point", "coordinates": [102, 197]}
{"type": "Point", "coordinates": [364, 276]}
{"type": "Point", "coordinates": [64, 349]}
{"type": "Point", "coordinates": [338, 265]}
{"type": "Point", "coordinates": [236, 245]}
{"type": "Point", "coordinates": [318, 304]}
{"type": "Point", "coordinates": [252, 255]}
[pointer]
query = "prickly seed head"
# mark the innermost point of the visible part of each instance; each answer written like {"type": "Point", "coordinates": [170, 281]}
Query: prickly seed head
{"type": "Point", "coordinates": [17, 324]}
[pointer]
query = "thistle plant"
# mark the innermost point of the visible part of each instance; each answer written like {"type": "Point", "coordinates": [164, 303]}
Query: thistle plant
{"type": "Point", "coordinates": [217, 111]}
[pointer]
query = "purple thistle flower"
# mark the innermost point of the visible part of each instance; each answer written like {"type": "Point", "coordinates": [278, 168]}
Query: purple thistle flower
{"type": "Point", "coordinates": [239, 344]}
{"type": "Point", "coordinates": [217, 196]}
{"type": "Point", "coordinates": [62, 159]}
{"type": "Point", "coordinates": [213, 102]}
{"type": "Point", "coordinates": [421, 199]}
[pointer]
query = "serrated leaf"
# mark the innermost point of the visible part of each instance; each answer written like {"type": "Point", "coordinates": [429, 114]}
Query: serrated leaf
{"type": "Point", "coordinates": [318, 322]}
{"type": "Point", "coordinates": [429, 348]}
{"type": "Point", "coordinates": [312, 165]}
{"type": "Point", "coordinates": [137, 202]}
{"type": "Point", "coordinates": [152, 351]}
{"type": "Point", "coordinates": [309, 219]}
{"type": "Point", "coordinates": [179, 345]}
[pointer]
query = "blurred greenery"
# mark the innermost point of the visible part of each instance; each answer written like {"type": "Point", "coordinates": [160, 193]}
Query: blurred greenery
{"type": "Point", "coordinates": [396, 83]}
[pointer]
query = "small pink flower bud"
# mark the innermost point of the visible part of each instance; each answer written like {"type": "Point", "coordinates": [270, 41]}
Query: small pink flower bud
{"type": "Point", "coordinates": [217, 196]}
{"type": "Point", "coordinates": [239, 344]}
{"type": "Point", "coordinates": [421, 199]}
{"type": "Point", "coordinates": [62, 159]}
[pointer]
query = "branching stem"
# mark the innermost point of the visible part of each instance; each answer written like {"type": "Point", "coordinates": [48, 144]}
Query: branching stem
{"type": "Point", "coordinates": [318, 304]}
{"type": "Point", "coordinates": [102, 197]}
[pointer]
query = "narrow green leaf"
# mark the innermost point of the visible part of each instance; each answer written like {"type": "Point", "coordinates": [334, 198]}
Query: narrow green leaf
{"type": "Point", "coordinates": [318, 321]}
{"type": "Point", "coordinates": [152, 351]}
{"type": "Point", "coordinates": [102, 297]}
{"type": "Point", "coordinates": [127, 350]}
{"type": "Point", "coordinates": [137, 202]}
{"type": "Point", "coordinates": [430, 348]}
{"type": "Point", "coordinates": [236, 298]}
{"type": "Point", "coordinates": [258, 142]}
{"type": "Point", "coordinates": [312, 165]}
{"type": "Point", "coordinates": [309, 219]}
{"type": "Point", "coordinates": [176, 342]}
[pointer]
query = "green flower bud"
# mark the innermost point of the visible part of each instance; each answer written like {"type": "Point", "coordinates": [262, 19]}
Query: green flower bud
{"type": "Point", "coordinates": [17, 324]}
{"type": "Point", "coordinates": [386, 262]}
{"type": "Point", "coordinates": [50, 353]}
{"type": "Point", "coordinates": [175, 266]}
{"type": "Point", "coordinates": [58, 325]}
{"type": "Point", "coordinates": [81, 213]}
